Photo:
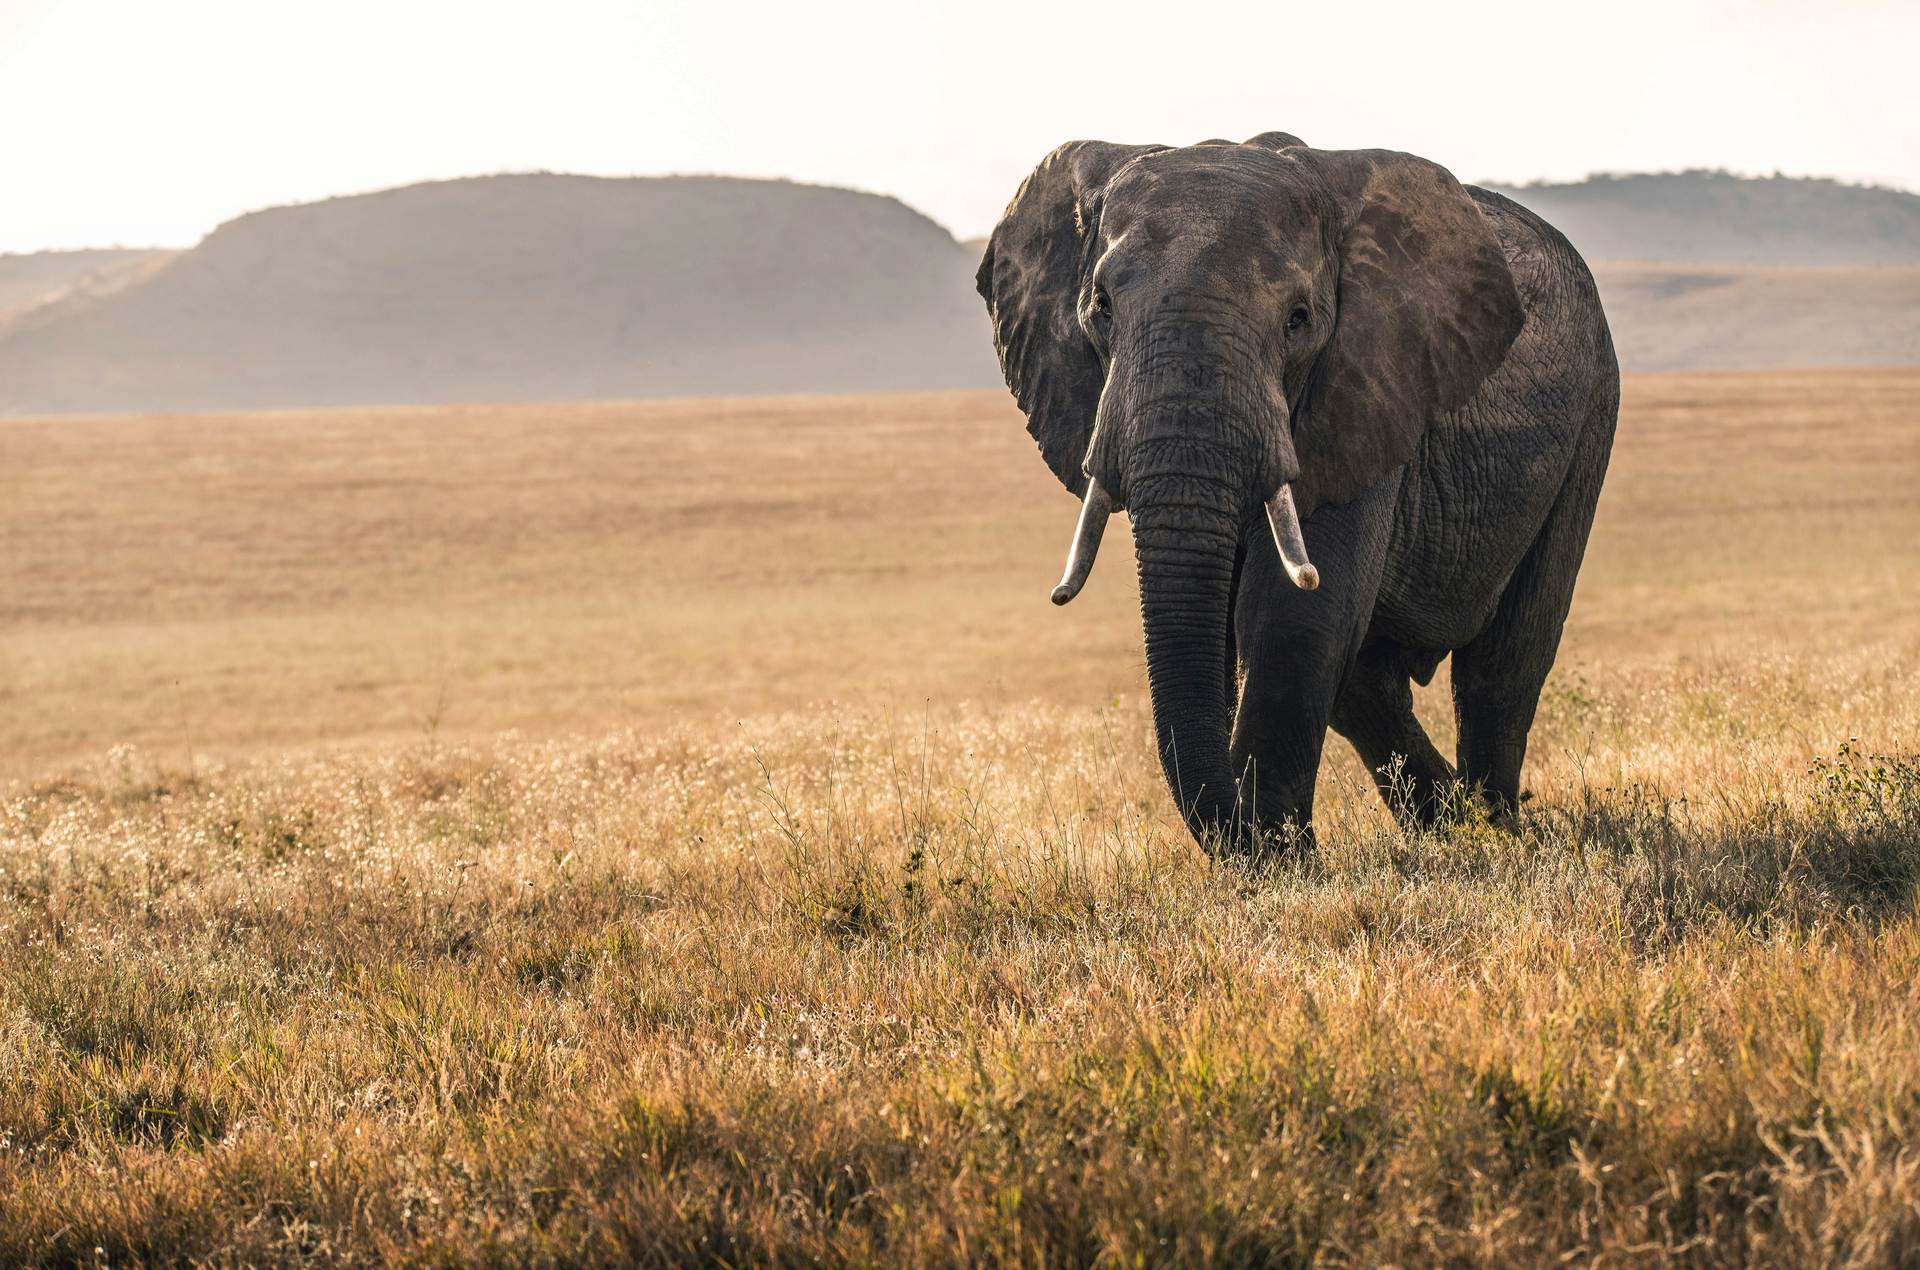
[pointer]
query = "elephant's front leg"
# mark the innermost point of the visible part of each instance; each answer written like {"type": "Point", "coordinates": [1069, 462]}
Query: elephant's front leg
{"type": "Point", "coordinates": [1294, 649]}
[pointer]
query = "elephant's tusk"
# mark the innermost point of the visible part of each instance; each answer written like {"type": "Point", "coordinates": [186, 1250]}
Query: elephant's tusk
{"type": "Point", "coordinates": [1086, 542]}
{"type": "Point", "coordinates": [1285, 523]}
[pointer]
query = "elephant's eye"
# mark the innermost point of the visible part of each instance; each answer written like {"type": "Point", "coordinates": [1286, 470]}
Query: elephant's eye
{"type": "Point", "coordinates": [1099, 318]}
{"type": "Point", "coordinates": [1298, 318]}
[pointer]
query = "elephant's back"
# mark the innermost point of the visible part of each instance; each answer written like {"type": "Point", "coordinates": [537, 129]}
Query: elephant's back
{"type": "Point", "coordinates": [1556, 288]}
{"type": "Point", "coordinates": [1487, 474]}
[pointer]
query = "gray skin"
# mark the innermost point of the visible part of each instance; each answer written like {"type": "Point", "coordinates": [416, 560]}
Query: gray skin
{"type": "Point", "coordinates": [1425, 365]}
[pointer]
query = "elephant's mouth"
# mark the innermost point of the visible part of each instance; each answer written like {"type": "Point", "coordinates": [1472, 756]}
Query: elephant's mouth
{"type": "Point", "coordinates": [1283, 521]}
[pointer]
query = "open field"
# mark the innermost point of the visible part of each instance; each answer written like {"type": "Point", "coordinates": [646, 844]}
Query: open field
{"type": "Point", "coordinates": [224, 584]}
{"type": "Point", "coordinates": [824, 901]}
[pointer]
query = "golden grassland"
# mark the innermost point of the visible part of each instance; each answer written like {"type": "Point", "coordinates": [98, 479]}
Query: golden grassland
{"type": "Point", "coordinates": [825, 904]}
{"type": "Point", "coordinates": [221, 585]}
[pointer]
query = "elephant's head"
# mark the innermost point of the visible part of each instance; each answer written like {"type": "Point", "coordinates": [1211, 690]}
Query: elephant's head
{"type": "Point", "coordinates": [1201, 335]}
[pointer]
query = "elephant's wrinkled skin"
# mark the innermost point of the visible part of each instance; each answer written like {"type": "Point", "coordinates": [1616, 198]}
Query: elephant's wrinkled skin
{"type": "Point", "coordinates": [1422, 367]}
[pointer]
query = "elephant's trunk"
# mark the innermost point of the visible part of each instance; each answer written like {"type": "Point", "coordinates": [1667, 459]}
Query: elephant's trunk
{"type": "Point", "coordinates": [1185, 540]}
{"type": "Point", "coordinates": [1191, 442]}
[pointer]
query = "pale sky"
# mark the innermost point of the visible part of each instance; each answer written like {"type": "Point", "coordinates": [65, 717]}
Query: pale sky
{"type": "Point", "coordinates": [150, 121]}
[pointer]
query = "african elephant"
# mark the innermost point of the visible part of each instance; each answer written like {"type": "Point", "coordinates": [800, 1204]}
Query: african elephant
{"type": "Point", "coordinates": [1359, 415]}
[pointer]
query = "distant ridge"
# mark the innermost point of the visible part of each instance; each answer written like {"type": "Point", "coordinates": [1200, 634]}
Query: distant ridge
{"type": "Point", "coordinates": [38, 277]}
{"type": "Point", "coordinates": [537, 287]}
{"type": "Point", "coordinates": [1715, 218]}
{"type": "Point", "coordinates": [521, 288]}
{"type": "Point", "coordinates": [1704, 269]}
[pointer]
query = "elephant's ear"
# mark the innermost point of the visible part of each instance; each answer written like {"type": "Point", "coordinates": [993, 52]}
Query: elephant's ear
{"type": "Point", "coordinates": [1427, 309]}
{"type": "Point", "coordinates": [1030, 279]}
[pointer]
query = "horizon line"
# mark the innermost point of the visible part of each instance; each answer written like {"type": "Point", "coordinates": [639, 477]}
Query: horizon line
{"type": "Point", "coordinates": [1592, 177]}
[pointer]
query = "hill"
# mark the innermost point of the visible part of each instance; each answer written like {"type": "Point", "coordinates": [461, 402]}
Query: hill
{"type": "Point", "coordinates": [544, 287]}
{"type": "Point", "coordinates": [1715, 218]}
{"type": "Point", "coordinates": [521, 287]}
{"type": "Point", "coordinates": [1709, 270]}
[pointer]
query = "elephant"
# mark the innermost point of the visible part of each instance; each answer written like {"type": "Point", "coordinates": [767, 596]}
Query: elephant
{"type": "Point", "coordinates": [1358, 414]}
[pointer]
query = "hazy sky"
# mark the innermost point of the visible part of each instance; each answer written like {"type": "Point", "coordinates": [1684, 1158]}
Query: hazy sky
{"type": "Point", "coordinates": [150, 121]}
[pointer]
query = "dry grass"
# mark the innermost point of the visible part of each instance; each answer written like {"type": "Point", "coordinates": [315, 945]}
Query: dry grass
{"type": "Point", "coordinates": [928, 973]}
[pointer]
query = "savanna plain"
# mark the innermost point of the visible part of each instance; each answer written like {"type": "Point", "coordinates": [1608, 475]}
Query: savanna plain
{"type": "Point", "coordinates": [682, 831]}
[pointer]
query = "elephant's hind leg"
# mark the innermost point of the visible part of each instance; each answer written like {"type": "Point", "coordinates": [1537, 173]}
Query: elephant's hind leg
{"type": "Point", "coordinates": [1498, 676]}
{"type": "Point", "coordinates": [1374, 711]}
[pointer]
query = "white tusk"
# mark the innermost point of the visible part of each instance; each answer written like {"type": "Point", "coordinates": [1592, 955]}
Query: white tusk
{"type": "Point", "coordinates": [1086, 542]}
{"type": "Point", "coordinates": [1285, 523]}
